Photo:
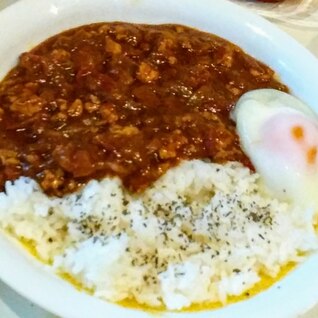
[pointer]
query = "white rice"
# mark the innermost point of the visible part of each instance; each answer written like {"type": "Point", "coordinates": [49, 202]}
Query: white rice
{"type": "Point", "coordinates": [201, 233]}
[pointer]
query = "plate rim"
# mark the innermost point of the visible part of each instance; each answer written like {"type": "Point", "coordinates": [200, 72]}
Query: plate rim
{"type": "Point", "coordinates": [254, 24]}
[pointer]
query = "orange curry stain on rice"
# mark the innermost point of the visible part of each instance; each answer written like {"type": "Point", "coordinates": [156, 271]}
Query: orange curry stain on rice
{"type": "Point", "coordinates": [265, 283]}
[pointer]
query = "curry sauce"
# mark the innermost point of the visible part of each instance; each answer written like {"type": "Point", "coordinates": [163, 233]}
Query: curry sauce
{"type": "Point", "coordinates": [118, 99]}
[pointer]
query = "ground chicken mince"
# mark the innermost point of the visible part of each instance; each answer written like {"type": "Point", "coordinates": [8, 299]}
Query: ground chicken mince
{"type": "Point", "coordinates": [117, 99]}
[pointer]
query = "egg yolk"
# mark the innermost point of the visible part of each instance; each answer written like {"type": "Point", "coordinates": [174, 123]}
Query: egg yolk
{"type": "Point", "coordinates": [292, 138]}
{"type": "Point", "coordinates": [297, 132]}
{"type": "Point", "coordinates": [312, 155]}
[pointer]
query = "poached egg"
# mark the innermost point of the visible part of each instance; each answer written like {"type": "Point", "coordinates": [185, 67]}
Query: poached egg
{"type": "Point", "coordinates": [279, 134]}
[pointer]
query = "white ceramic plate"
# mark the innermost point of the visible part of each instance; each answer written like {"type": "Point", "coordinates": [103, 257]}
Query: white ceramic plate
{"type": "Point", "coordinates": [30, 21]}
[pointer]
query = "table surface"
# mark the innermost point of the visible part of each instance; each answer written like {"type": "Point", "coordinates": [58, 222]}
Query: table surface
{"type": "Point", "coordinates": [13, 305]}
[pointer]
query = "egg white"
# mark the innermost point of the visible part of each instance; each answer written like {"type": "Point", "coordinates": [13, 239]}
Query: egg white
{"type": "Point", "coordinates": [279, 134]}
